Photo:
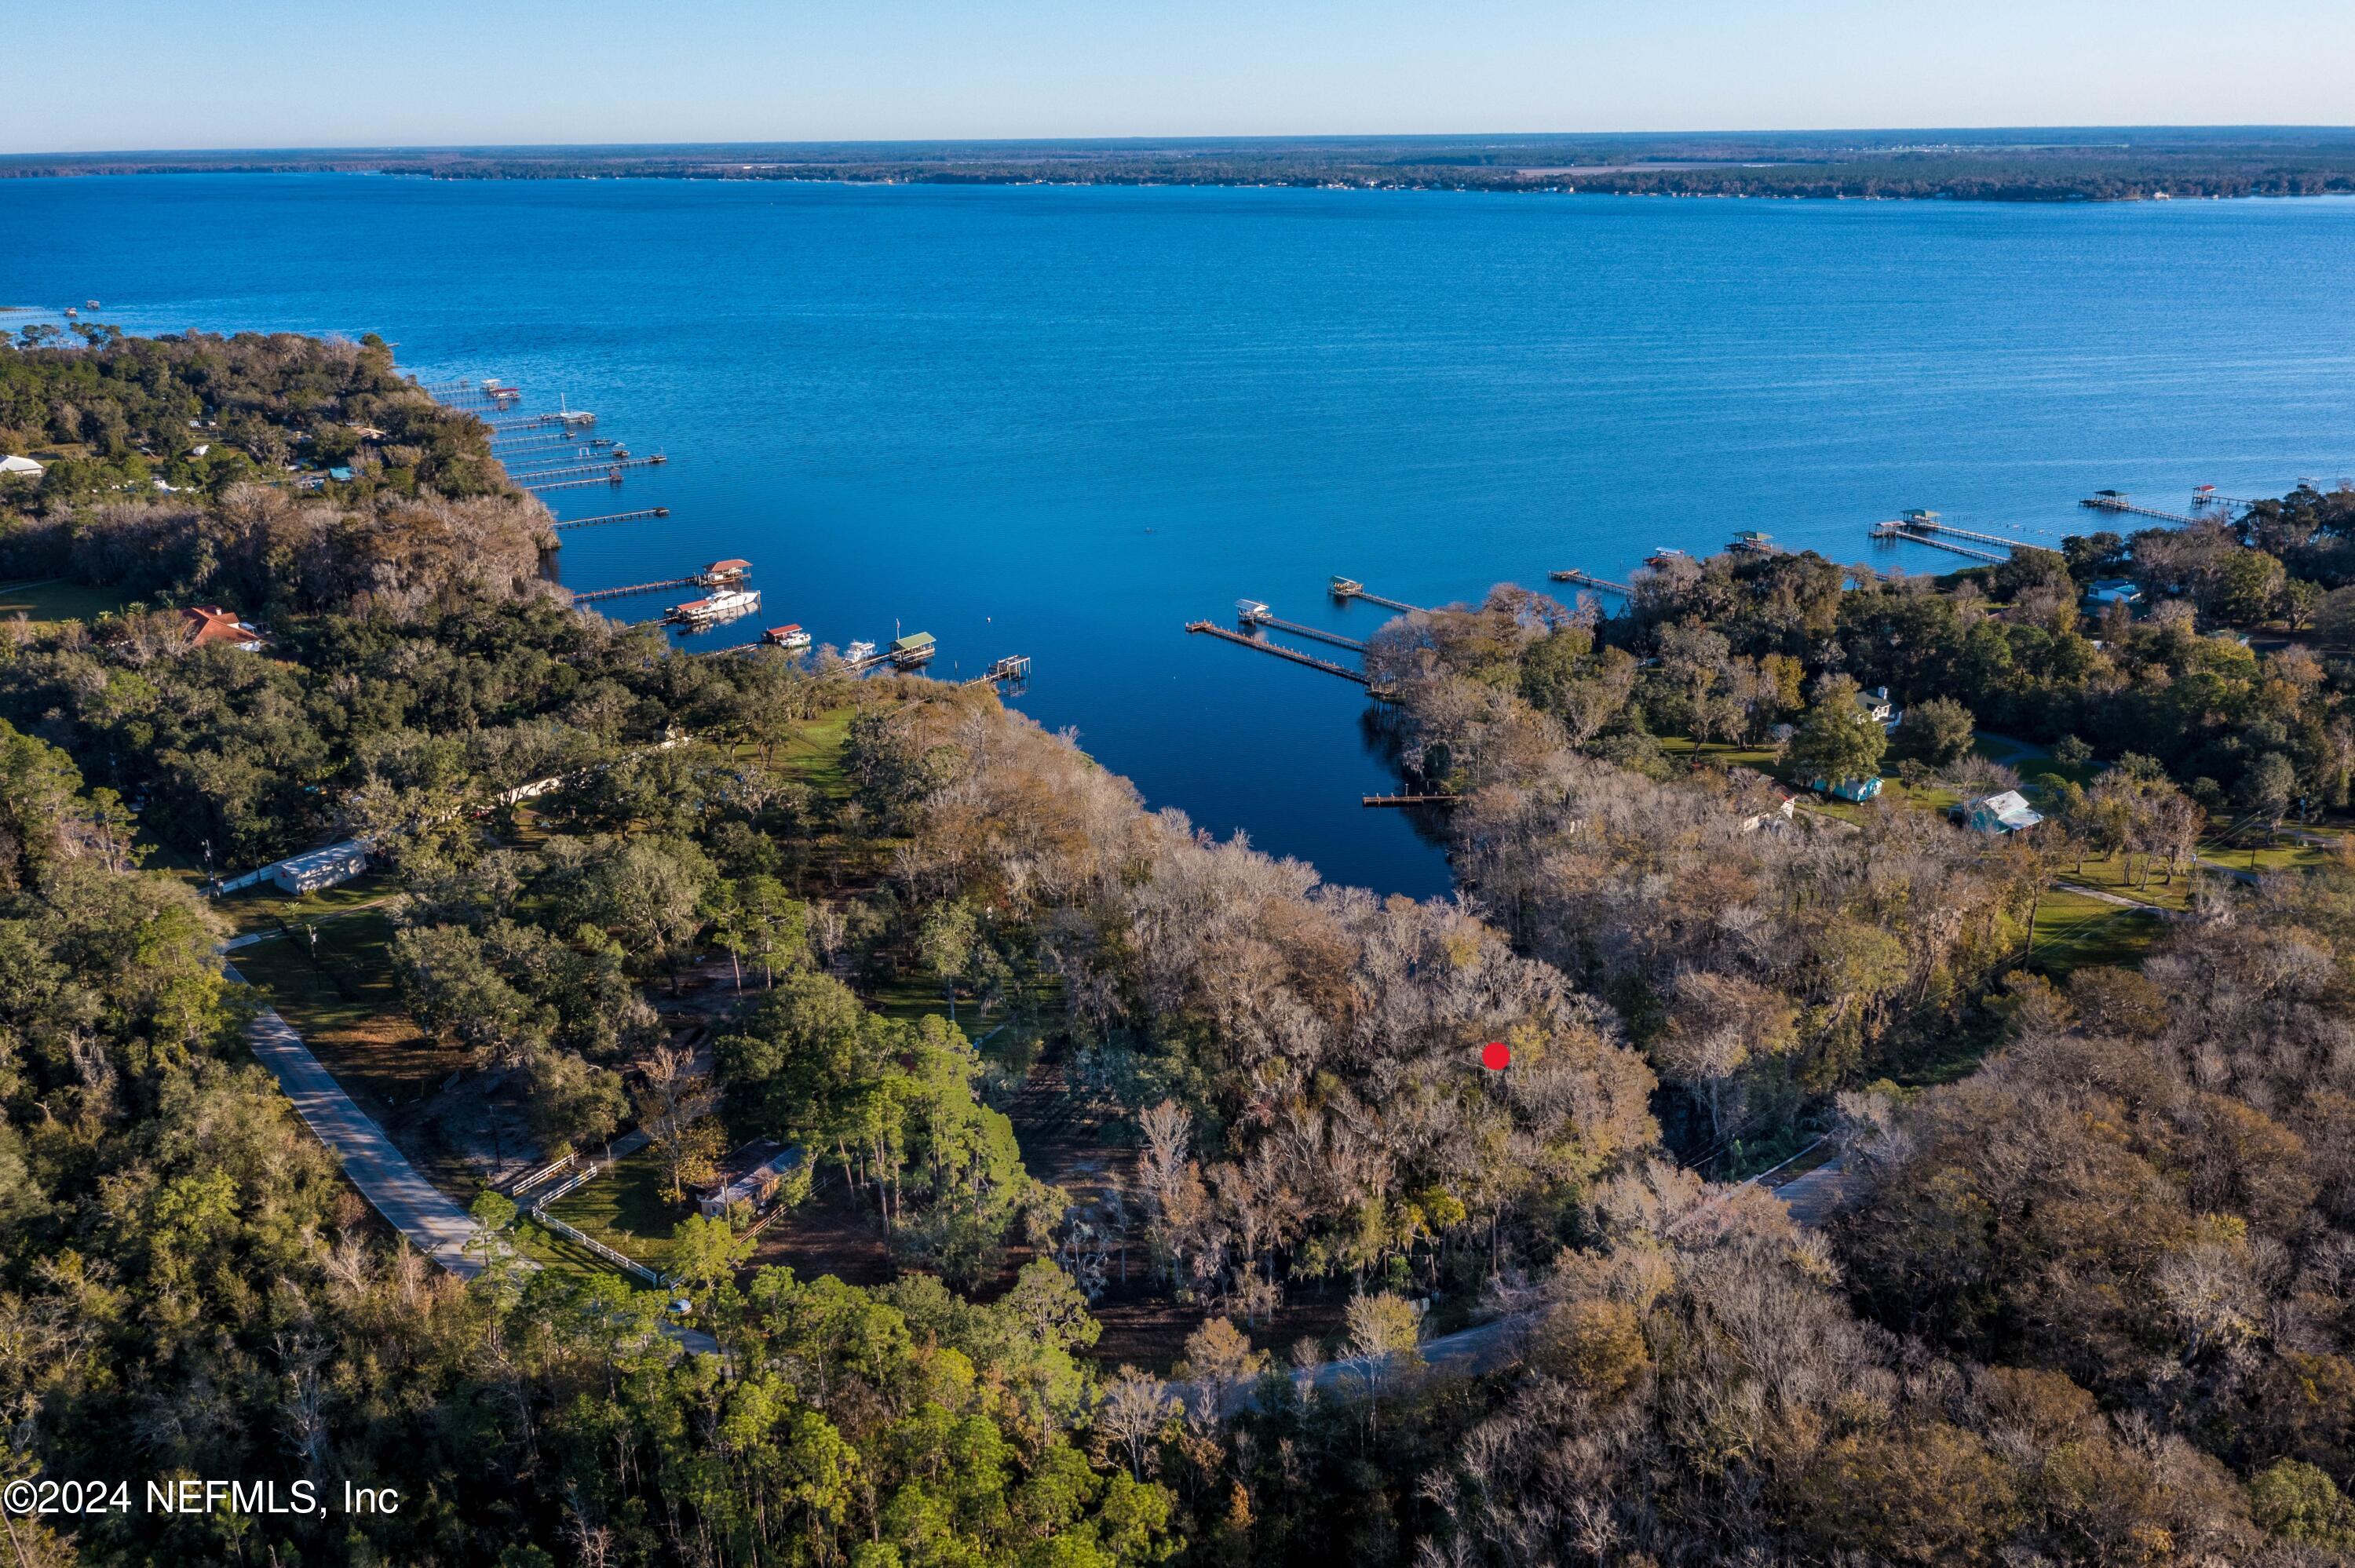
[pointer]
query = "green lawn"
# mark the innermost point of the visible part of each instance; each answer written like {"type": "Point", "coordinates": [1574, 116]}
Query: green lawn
{"type": "Point", "coordinates": [625, 1208]}
{"type": "Point", "coordinates": [912, 997]}
{"type": "Point", "coordinates": [55, 598]}
{"type": "Point", "coordinates": [2249, 851]}
{"type": "Point", "coordinates": [2073, 931]}
{"type": "Point", "coordinates": [343, 1002]}
{"type": "Point", "coordinates": [265, 908]}
{"type": "Point", "coordinates": [814, 754]}
{"type": "Point", "coordinates": [2110, 873]}
{"type": "Point", "coordinates": [562, 1254]}
{"type": "Point", "coordinates": [1762, 757]}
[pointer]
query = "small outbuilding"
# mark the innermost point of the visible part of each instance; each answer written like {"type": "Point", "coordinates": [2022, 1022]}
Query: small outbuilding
{"type": "Point", "coordinates": [749, 1175]}
{"type": "Point", "coordinates": [1857, 790]}
{"type": "Point", "coordinates": [2007, 813]}
{"type": "Point", "coordinates": [338, 863]}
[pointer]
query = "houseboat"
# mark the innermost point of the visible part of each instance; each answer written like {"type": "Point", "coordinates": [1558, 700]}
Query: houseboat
{"type": "Point", "coordinates": [909, 651]}
{"type": "Point", "coordinates": [788, 636]}
{"type": "Point", "coordinates": [859, 652]}
{"type": "Point", "coordinates": [728, 605]}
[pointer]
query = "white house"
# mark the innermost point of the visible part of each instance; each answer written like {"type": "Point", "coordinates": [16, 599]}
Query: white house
{"type": "Point", "coordinates": [20, 468]}
{"type": "Point", "coordinates": [1876, 706]}
{"type": "Point", "coordinates": [2007, 813]}
{"type": "Point", "coordinates": [326, 867]}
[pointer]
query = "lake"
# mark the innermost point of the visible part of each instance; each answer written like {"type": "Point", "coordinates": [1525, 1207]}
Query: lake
{"type": "Point", "coordinates": [1064, 421]}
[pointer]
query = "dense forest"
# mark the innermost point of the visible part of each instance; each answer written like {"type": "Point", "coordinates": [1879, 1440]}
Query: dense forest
{"type": "Point", "coordinates": [2041, 165]}
{"type": "Point", "coordinates": [2084, 1296]}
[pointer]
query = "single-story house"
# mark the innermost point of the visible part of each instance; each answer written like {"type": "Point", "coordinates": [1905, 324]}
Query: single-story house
{"type": "Point", "coordinates": [1876, 705]}
{"type": "Point", "coordinates": [1858, 789]}
{"type": "Point", "coordinates": [340, 475]}
{"type": "Point", "coordinates": [211, 623]}
{"type": "Point", "coordinates": [337, 862]}
{"type": "Point", "coordinates": [20, 468]}
{"type": "Point", "coordinates": [749, 1175]}
{"type": "Point", "coordinates": [2112, 590]}
{"type": "Point", "coordinates": [2007, 813]}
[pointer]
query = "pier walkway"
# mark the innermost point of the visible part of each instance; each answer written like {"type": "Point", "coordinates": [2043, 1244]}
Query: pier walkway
{"type": "Point", "coordinates": [2120, 504]}
{"type": "Point", "coordinates": [1902, 526]}
{"type": "Point", "coordinates": [612, 476]}
{"type": "Point", "coordinates": [600, 465]}
{"type": "Point", "coordinates": [587, 595]}
{"type": "Point", "coordinates": [1347, 589]}
{"type": "Point", "coordinates": [1263, 617]}
{"type": "Point", "coordinates": [1213, 630]}
{"type": "Point", "coordinates": [1910, 534]}
{"type": "Point", "coordinates": [613, 517]}
{"type": "Point", "coordinates": [1588, 579]}
{"type": "Point", "coordinates": [1013, 667]}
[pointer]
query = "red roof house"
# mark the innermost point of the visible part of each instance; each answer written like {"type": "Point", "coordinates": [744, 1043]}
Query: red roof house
{"type": "Point", "coordinates": [211, 623]}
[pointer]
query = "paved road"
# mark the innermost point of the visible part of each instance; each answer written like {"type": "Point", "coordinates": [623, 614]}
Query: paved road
{"type": "Point", "coordinates": [410, 1204]}
{"type": "Point", "coordinates": [420, 1210]}
{"type": "Point", "coordinates": [1812, 1197]}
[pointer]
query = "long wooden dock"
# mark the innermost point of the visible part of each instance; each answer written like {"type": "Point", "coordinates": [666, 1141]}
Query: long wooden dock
{"type": "Point", "coordinates": [2120, 504]}
{"type": "Point", "coordinates": [603, 477]}
{"type": "Point", "coordinates": [1409, 799]}
{"type": "Point", "coordinates": [1314, 633]}
{"type": "Point", "coordinates": [1921, 525]}
{"type": "Point", "coordinates": [599, 465]}
{"type": "Point", "coordinates": [1909, 535]}
{"type": "Point", "coordinates": [568, 418]}
{"type": "Point", "coordinates": [1213, 629]}
{"type": "Point", "coordinates": [1013, 667]}
{"type": "Point", "coordinates": [1346, 589]}
{"type": "Point", "coordinates": [615, 517]}
{"type": "Point", "coordinates": [1588, 579]}
{"type": "Point", "coordinates": [586, 594]}
{"type": "Point", "coordinates": [547, 446]}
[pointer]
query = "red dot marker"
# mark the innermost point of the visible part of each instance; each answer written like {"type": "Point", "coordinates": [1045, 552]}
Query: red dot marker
{"type": "Point", "coordinates": [1495, 1055]}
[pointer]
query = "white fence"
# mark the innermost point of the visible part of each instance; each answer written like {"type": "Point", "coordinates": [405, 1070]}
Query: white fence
{"type": "Point", "coordinates": [630, 1265]}
{"type": "Point", "coordinates": [580, 1178]}
{"type": "Point", "coordinates": [553, 1168]}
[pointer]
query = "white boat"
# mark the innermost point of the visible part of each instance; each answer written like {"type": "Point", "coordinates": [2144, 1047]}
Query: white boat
{"type": "Point", "coordinates": [859, 652]}
{"type": "Point", "coordinates": [719, 606]}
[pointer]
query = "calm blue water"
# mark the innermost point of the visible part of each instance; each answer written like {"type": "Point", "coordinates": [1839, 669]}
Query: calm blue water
{"type": "Point", "coordinates": [1064, 421]}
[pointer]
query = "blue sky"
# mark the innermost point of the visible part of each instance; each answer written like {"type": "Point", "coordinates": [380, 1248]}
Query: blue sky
{"type": "Point", "coordinates": [124, 74]}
